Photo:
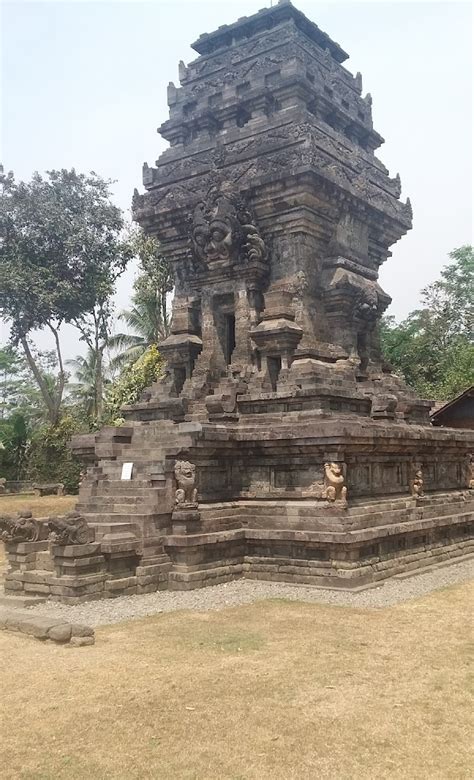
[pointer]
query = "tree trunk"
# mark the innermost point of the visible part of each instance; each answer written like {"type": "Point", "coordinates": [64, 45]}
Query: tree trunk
{"type": "Point", "coordinates": [99, 382]}
{"type": "Point", "coordinates": [62, 373]}
{"type": "Point", "coordinates": [51, 405]}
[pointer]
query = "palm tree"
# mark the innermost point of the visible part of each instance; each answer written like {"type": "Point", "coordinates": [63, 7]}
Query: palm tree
{"type": "Point", "coordinates": [149, 321]}
{"type": "Point", "coordinates": [83, 391]}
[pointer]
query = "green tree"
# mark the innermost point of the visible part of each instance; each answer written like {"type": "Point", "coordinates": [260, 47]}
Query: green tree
{"type": "Point", "coordinates": [61, 251]}
{"type": "Point", "coordinates": [14, 439]}
{"type": "Point", "coordinates": [433, 348]}
{"type": "Point", "coordinates": [148, 320]}
{"type": "Point", "coordinates": [12, 377]}
{"type": "Point", "coordinates": [18, 389]}
{"type": "Point", "coordinates": [83, 391]}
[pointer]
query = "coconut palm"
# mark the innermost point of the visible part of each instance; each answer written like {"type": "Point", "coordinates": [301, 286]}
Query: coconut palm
{"type": "Point", "coordinates": [83, 391]}
{"type": "Point", "coordinates": [148, 321]}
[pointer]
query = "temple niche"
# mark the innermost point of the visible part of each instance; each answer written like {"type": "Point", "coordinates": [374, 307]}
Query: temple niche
{"type": "Point", "coordinates": [303, 450]}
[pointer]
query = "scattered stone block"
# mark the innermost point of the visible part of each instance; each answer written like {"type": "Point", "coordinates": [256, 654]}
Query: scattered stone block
{"type": "Point", "coordinates": [79, 630]}
{"type": "Point", "coordinates": [61, 633]}
{"type": "Point", "coordinates": [46, 627]}
{"type": "Point", "coordinates": [82, 641]}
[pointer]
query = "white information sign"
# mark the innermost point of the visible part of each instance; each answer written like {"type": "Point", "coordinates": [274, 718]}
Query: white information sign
{"type": "Point", "coordinates": [127, 469]}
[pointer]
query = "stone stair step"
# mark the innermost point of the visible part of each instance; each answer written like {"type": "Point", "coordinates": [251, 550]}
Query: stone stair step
{"type": "Point", "coordinates": [124, 510]}
{"type": "Point", "coordinates": [125, 501]}
{"type": "Point", "coordinates": [116, 517]}
{"type": "Point", "coordinates": [113, 487]}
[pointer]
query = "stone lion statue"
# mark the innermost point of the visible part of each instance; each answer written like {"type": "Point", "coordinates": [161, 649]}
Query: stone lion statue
{"type": "Point", "coordinates": [23, 528]}
{"type": "Point", "coordinates": [185, 473]}
{"type": "Point", "coordinates": [334, 488]}
{"type": "Point", "coordinates": [71, 529]}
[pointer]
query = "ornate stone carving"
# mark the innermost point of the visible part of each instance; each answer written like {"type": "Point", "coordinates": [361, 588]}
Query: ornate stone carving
{"type": "Point", "coordinates": [334, 488]}
{"type": "Point", "coordinates": [417, 484]}
{"type": "Point", "coordinates": [223, 232]}
{"type": "Point", "coordinates": [71, 529]}
{"type": "Point", "coordinates": [137, 200]}
{"type": "Point", "coordinates": [367, 305]}
{"type": "Point", "coordinates": [23, 528]}
{"type": "Point", "coordinates": [214, 225]}
{"type": "Point", "coordinates": [186, 493]}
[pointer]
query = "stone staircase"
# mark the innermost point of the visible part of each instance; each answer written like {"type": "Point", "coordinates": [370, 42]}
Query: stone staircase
{"type": "Point", "coordinates": [141, 507]}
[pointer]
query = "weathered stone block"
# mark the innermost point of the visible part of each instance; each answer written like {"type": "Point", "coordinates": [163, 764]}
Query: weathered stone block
{"type": "Point", "coordinates": [82, 641]}
{"type": "Point", "coordinates": [75, 550]}
{"type": "Point", "coordinates": [79, 629]}
{"type": "Point", "coordinates": [61, 633]}
{"type": "Point", "coordinates": [33, 587]}
{"type": "Point", "coordinates": [36, 626]}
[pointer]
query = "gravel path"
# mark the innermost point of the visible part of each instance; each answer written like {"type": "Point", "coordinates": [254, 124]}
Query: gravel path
{"type": "Point", "coordinates": [393, 591]}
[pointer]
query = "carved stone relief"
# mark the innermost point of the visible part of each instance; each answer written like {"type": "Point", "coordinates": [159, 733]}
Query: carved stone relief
{"type": "Point", "coordinates": [417, 484]}
{"type": "Point", "coordinates": [223, 232]}
{"type": "Point", "coordinates": [71, 529]}
{"type": "Point", "coordinates": [334, 487]}
{"type": "Point", "coordinates": [23, 528]}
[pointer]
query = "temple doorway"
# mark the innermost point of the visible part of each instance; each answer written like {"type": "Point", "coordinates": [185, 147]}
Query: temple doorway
{"type": "Point", "coordinates": [229, 336]}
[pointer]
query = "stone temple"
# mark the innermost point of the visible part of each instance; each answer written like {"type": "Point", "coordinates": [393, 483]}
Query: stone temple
{"type": "Point", "coordinates": [278, 445]}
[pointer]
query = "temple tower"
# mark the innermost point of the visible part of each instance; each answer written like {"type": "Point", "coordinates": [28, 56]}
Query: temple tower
{"type": "Point", "coordinates": [276, 215]}
{"type": "Point", "coordinates": [278, 444]}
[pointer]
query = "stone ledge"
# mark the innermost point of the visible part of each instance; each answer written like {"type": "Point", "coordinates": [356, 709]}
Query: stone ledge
{"type": "Point", "coordinates": [17, 602]}
{"type": "Point", "coordinates": [431, 567]}
{"type": "Point", "coordinates": [46, 628]}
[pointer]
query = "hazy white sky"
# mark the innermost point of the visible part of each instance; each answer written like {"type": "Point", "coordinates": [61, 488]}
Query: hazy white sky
{"type": "Point", "coordinates": [84, 85]}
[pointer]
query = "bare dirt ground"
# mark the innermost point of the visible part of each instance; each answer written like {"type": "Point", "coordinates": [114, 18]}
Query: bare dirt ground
{"type": "Point", "coordinates": [269, 690]}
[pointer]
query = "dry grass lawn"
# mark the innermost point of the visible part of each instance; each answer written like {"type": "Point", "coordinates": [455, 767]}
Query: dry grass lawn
{"type": "Point", "coordinates": [39, 506]}
{"type": "Point", "coordinates": [272, 690]}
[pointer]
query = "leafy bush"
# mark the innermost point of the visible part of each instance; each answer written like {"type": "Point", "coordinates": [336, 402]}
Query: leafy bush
{"type": "Point", "coordinates": [49, 457]}
{"type": "Point", "coordinates": [132, 382]}
{"type": "Point", "coordinates": [13, 446]}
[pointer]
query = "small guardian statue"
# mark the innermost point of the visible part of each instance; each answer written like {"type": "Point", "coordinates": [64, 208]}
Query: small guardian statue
{"type": "Point", "coordinates": [186, 493]}
{"type": "Point", "coordinates": [417, 484]}
{"type": "Point", "coordinates": [23, 528]}
{"type": "Point", "coordinates": [470, 478]}
{"type": "Point", "coordinates": [334, 488]}
{"type": "Point", "coordinates": [71, 529]}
